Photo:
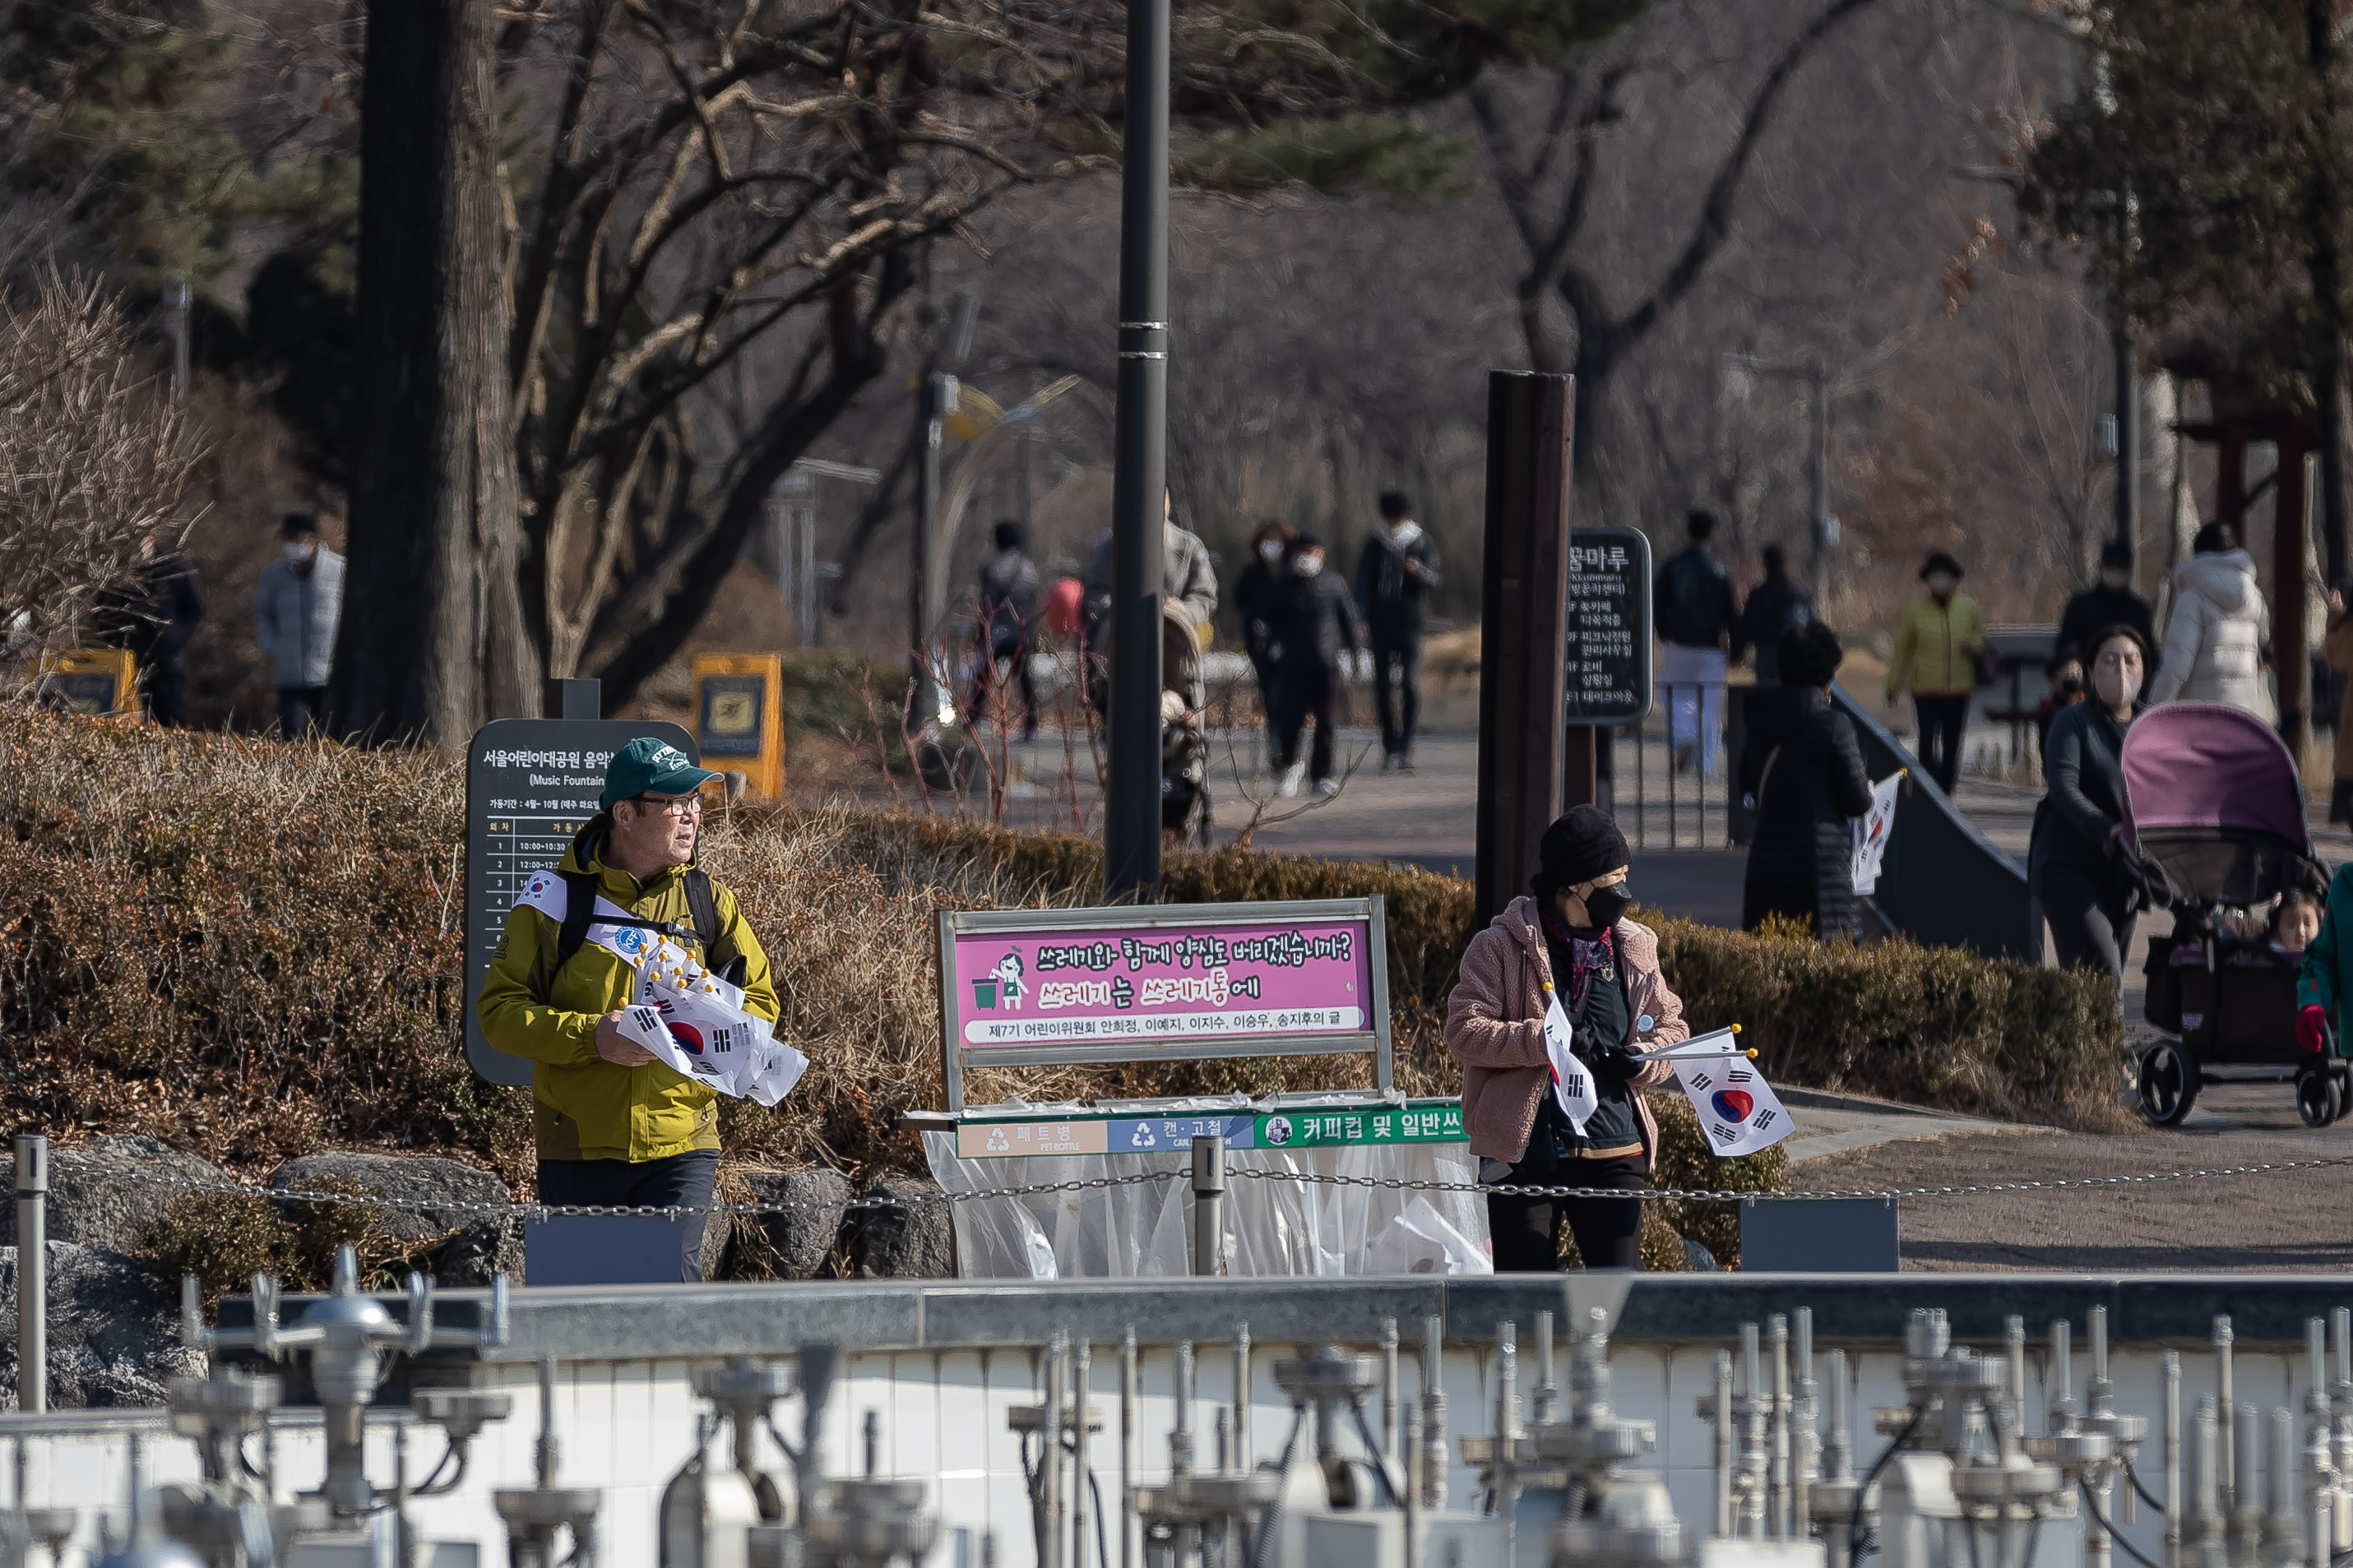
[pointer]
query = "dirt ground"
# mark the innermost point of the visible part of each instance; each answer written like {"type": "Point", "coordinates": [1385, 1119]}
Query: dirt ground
{"type": "Point", "coordinates": [2299, 1221]}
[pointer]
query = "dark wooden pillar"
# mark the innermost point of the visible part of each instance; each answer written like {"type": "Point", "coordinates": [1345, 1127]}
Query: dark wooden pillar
{"type": "Point", "coordinates": [1522, 654]}
{"type": "Point", "coordinates": [2291, 641]}
{"type": "Point", "coordinates": [2231, 482]}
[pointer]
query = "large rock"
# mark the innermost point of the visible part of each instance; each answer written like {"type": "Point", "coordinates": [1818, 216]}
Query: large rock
{"type": "Point", "coordinates": [110, 1193]}
{"type": "Point", "coordinates": [114, 1331]}
{"type": "Point", "coordinates": [433, 1195]}
{"type": "Point", "coordinates": [909, 1240]}
{"type": "Point", "coordinates": [802, 1236]}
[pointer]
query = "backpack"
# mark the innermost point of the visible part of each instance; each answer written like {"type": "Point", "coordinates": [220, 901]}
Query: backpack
{"type": "Point", "coordinates": [580, 913]}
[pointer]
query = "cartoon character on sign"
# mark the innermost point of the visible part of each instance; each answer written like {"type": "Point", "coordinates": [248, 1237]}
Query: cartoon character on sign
{"type": "Point", "coordinates": [1009, 985]}
{"type": "Point", "coordinates": [1277, 1130]}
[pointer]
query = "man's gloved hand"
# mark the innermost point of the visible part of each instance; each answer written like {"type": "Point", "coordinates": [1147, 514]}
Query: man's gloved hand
{"type": "Point", "coordinates": [2312, 1027]}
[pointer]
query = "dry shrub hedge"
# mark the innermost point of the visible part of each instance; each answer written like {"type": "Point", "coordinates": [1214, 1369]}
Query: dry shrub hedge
{"type": "Point", "coordinates": [253, 950]}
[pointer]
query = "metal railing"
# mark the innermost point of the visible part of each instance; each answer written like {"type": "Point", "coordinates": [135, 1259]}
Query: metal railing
{"type": "Point", "coordinates": [1677, 799]}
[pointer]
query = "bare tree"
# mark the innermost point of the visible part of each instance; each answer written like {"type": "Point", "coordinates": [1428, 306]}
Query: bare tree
{"type": "Point", "coordinates": [93, 457]}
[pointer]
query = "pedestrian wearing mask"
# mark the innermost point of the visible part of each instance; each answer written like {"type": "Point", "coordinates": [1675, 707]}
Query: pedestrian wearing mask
{"type": "Point", "coordinates": [1315, 622]}
{"type": "Point", "coordinates": [1397, 572]}
{"type": "Point", "coordinates": [2075, 863]}
{"type": "Point", "coordinates": [1802, 772]}
{"type": "Point", "coordinates": [1569, 944]}
{"type": "Point", "coordinates": [1256, 594]}
{"type": "Point", "coordinates": [2215, 639]}
{"type": "Point", "coordinates": [155, 615]}
{"type": "Point", "coordinates": [296, 608]}
{"type": "Point", "coordinates": [2110, 602]}
{"type": "Point", "coordinates": [1937, 653]}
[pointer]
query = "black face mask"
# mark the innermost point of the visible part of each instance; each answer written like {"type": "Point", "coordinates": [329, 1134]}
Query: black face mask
{"type": "Point", "coordinates": [1605, 906]}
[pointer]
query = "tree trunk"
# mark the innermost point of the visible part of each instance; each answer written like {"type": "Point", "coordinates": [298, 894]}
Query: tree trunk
{"type": "Point", "coordinates": [433, 640]}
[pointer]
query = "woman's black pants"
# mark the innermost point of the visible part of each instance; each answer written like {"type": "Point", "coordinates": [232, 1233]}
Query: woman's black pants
{"type": "Point", "coordinates": [1942, 721]}
{"type": "Point", "coordinates": [2091, 916]}
{"type": "Point", "coordinates": [1609, 1231]}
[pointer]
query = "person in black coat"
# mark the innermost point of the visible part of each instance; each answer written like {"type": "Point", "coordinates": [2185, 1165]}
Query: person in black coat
{"type": "Point", "coordinates": [2074, 862]}
{"type": "Point", "coordinates": [2109, 602]}
{"type": "Point", "coordinates": [1315, 622]}
{"type": "Point", "coordinates": [1802, 767]}
{"type": "Point", "coordinates": [154, 616]}
{"type": "Point", "coordinates": [1772, 607]}
{"type": "Point", "coordinates": [1254, 600]}
{"type": "Point", "coordinates": [1397, 572]}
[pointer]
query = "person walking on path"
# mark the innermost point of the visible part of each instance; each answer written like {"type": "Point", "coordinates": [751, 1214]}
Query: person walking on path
{"type": "Point", "coordinates": [1257, 593]}
{"type": "Point", "coordinates": [1007, 593]}
{"type": "Point", "coordinates": [613, 1126]}
{"type": "Point", "coordinates": [1315, 622]}
{"type": "Point", "coordinates": [2336, 648]}
{"type": "Point", "coordinates": [2215, 639]}
{"type": "Point", "coordinates": [1937, 653]}
{"type": "Point", "coordinates": [2075, 860]}
{"type": "Point", "coordinates": [1772, 607]}
{"type": "Point", "coordinates": [1570, 943]}
{"type": "Point", "coordinates": [154, 616]}
{"type": "Point", "coordinates": [1695, 616]}
{"type": "Point", "coordinates": [1802, 767]}
{"type": "Point", "coordinates": [1189, 587]}
{"type": "Point", "coordinates": [1397, 572]}
{"type": "Point", "coordinates": [296, 608]}
{"type": "Point", "coordinates": [2110, 602]}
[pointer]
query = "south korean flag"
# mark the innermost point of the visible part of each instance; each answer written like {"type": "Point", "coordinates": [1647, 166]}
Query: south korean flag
{"type": "Point", "coordinates": [1735, 1106]}
{"type": "Point", "coordinates": [1572, 1080]}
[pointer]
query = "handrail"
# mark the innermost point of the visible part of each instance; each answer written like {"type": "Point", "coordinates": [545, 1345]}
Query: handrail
{"type": "Point", "coordinates": [1942, 882]}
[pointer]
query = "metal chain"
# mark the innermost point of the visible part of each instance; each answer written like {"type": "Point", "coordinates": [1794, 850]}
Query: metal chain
{"type": "Point", "coordinates": [542, 1211]}
{"type": "Point", "coordinates": [1100, 1183]}
{"type": "Point", "coordinates": [1694, 1194]}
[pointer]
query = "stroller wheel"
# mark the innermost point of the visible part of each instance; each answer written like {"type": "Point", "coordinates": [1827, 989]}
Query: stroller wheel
{"type": "Point", "coordinates": [2320, 1097]}
{"type": "Point", "coordinates": [2169, 1084]}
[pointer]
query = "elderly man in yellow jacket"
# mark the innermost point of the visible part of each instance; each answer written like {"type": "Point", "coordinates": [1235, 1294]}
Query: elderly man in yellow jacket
{"type": "Point", "coordinates": [1937, 653]}
{"type": "Point", "coordinates": [614, 1127]}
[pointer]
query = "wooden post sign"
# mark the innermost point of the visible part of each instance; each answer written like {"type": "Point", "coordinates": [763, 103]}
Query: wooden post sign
{"type": "Point", "coordinates": [102, 682]}
{"type": "Point", "coordinates": [1163, 982]}
{"type": "Point", "coordinates": [739, 700]}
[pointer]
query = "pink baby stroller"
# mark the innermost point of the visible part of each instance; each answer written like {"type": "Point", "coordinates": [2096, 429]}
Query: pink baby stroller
{"type": "Point", "coordinates": [2214, 816]}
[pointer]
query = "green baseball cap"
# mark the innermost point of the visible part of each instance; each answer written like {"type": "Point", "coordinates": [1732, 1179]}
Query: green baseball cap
{"type": "Point", "coordinates": [649, 763]}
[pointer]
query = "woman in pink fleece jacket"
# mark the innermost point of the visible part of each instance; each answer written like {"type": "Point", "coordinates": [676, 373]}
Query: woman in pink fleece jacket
{"type": "Point", "coordinates": [1572, 942]}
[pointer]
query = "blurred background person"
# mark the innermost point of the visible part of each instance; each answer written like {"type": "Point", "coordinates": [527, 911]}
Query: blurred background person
{"type": "Point", "coordinates": [154, 616]}
{"type": "Point", "coordinates": [2215, 637]}
{"type": "Point", "coordinates": [1255, 595]}
{"type": "Point", "coordinates": [1772, 607]}
{"type": "Point", "coordinates": [2066, 690]}
{"type": "Point", "coordinates": [1695, 616]}
{"type": "Point", "coordinates": [1801, 770]}
{"type": "Point", "coordinates": [1316, 624]}
{"type": "Point", "coordinates": [1007, 595]}
{"type": "Point", "coordinates": [1397, 571]}
{"type": "Point", "coordinates": [296, 608]}
{"type": "Point", "coordinates": [1937, 653]}
{"type": "Point", "coordinates": [2110, 602]}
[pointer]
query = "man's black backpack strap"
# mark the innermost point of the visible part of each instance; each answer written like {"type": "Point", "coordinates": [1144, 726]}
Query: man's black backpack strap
{"type": "Point", "coordinates": [580, 911]}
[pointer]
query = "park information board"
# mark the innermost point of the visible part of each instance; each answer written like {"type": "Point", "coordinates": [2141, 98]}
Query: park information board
{"type": "Point", "coordinates": [1170, 981]}
{"type": "Point", "coordinates": [531, 784]}
{"type": "Point", "coordinates": [1609, 625]}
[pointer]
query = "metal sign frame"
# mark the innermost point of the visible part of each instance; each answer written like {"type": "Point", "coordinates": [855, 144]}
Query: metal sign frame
{"type": "Point", "coordinates": [1642, 611]}
{"type": "Point", "coordinates": [1373, 1042]}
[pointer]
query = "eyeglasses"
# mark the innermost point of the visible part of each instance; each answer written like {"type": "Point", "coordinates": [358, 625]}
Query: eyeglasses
{"type": "Point", "coordinates": [686, 805]}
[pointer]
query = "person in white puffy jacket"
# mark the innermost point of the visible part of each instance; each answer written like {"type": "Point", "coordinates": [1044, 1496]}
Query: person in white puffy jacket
{"type": "Point", "coordinates": [2214, 642]}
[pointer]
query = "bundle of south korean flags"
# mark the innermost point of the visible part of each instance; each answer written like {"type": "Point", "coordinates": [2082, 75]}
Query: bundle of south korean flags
{"type": "Point", "coordinates": [1735, 1106]}
{"type": "Point", "coordinates": [694, 1022]}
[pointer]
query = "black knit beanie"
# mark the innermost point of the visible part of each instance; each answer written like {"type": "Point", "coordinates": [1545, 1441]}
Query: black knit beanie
{"type": "Point", "coordinates": [1581, 845]}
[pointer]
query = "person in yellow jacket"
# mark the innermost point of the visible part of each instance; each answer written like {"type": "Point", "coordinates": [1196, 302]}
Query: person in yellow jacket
{"type": "Point", "coordinates": [613, 1126]}
{"type": "Point", "coordinates": [1937, 653]}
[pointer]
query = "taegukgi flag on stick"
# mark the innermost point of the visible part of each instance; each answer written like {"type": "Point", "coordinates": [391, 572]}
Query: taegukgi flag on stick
{"type": "Point", "coordinates": [1871, 833]}
{"type": "Point", "coordinates": [1572, 1080]}
{"type": "Point", "coordinates": [1736, 1107]}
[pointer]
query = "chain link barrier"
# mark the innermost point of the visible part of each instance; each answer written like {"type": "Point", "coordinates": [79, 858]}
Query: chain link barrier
{"type": "Point", "coordinates": [1100, 1183]}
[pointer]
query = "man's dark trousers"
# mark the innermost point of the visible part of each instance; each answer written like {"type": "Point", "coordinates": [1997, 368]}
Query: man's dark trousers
{"type": "Point", "coordinates": [300, 708]}
{"type": "Point", "coordinates": [681, 1181]}
{"type": "Point", "coordinates": [1310, 692]}
{"type": "Point", "coordinates": [1401, 715]}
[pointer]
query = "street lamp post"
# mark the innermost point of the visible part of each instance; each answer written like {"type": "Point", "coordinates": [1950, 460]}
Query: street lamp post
{"type": "Point", "coordinates": [1132, 812]}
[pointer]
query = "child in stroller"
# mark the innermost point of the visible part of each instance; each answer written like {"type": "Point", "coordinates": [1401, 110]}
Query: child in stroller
{"type": "Point", "coordinates": [2214, 819]}
{"type": "Point", "coordinates": [2321, 995]}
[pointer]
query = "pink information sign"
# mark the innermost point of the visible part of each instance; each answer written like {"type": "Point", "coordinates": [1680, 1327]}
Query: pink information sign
{"type": "Point", "coordinates": [1127, 985]}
